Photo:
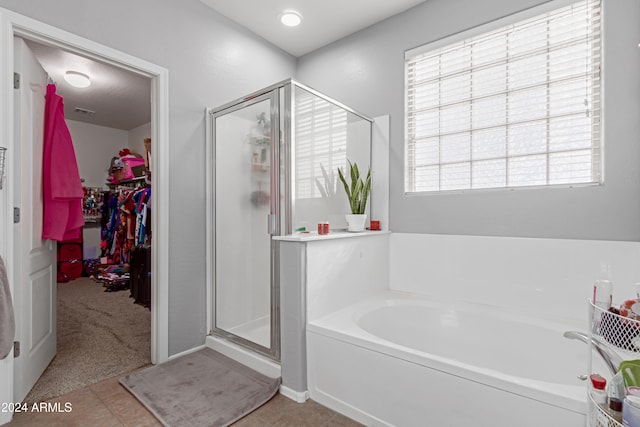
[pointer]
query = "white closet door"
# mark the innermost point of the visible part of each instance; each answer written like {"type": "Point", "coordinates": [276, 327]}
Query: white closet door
{"type": "Point", "coordinates": [35, 290]}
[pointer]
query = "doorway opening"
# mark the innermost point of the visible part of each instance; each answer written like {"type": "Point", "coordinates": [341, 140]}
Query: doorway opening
{"type": "Point", "coordinates": [28, 29]}
{"type": "Point", "coordinates": [100, 333]}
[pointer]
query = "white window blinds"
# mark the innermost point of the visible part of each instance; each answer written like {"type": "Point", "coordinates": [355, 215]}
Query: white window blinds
{"type": "Point", "coordinates": [320, 145]}
{"type": "Point", "coordinates": [518, 106]}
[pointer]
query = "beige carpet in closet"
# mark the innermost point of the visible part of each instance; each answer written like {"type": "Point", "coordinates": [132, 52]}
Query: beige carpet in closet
{"type": "Point", "coordinates": [100, 335]}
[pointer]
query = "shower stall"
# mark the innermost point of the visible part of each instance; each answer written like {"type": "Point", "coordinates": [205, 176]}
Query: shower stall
{"type": "Point", "coordinates": [275, 156]}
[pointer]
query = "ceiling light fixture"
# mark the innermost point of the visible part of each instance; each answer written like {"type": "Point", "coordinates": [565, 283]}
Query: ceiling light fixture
{"type": "Point", "coordinates": [77, 79]}
{"type": "Point", "coordinates": [290, 18]}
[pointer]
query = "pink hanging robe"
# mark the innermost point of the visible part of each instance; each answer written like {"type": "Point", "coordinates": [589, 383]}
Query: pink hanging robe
{"type": "Point", "coordinates": [62, 189]}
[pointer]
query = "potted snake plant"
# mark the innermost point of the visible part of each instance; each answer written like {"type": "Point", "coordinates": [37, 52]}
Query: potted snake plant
{"type": "Point", "coordinates": [357, 194]}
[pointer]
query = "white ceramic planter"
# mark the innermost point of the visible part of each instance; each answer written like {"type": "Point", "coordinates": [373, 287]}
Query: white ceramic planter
{"type": "Point", "coordinates": [356, 222]}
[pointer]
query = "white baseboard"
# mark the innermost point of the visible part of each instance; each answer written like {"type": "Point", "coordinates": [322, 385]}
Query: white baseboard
{"type": "Point", "coordinates": [296, 396]}
{"type": "Point", "coordinates": [248, 358]}
{"type": "Point", "coordinates": [348, 410]}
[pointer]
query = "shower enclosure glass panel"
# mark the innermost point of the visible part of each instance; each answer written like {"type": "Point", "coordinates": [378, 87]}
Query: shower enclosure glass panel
{"type": "Point", "coordinates": [326, 137]}
{"type": "Point", "coordinates": [276, 155]}
{"type": "Point", "coordinates": [243, 176]}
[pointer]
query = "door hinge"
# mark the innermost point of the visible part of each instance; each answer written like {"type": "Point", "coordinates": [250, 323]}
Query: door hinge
{"type": "Point", "coordinates": [271, 224]}
{"type": "Point", "coordinates": [16, 349]}
{"type": "Point", "coordinates": [16, 215]}
{"type": "Point", "coordinates": [16, 80]}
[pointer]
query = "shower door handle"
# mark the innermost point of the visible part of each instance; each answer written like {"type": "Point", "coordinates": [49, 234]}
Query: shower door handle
{"type": "Point", "coordinates": [271, 224]}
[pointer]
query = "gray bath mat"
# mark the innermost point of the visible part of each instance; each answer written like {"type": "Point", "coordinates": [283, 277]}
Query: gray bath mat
{"type": "Point", "coordinates": [204, 388]}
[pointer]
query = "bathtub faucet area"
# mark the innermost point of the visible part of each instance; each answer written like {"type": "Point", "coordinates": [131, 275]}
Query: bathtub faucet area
{"type": "Point", "coordinates": [611, 359]}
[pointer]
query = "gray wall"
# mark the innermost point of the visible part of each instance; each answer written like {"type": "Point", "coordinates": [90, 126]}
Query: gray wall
{"type": "Point", "coordinates": [211, 61]}
{"type": "Point", "coordinates": [366, 72]}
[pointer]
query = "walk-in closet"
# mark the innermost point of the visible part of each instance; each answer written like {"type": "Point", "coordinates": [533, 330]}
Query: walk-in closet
{"type": "Point", "coordinates": [103, 282]}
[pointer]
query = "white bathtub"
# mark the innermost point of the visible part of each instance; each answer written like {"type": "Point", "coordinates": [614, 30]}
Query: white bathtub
{"type": "Point", "coordinates": [405, 360]}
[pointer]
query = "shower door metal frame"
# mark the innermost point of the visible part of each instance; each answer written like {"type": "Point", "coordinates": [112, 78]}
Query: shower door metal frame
{"type": "Point", "coordinates": [274, 225]}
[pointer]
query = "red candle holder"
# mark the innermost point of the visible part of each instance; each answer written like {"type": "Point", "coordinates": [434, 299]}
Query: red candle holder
{"type": "Point", "coordinates": [323, 228]}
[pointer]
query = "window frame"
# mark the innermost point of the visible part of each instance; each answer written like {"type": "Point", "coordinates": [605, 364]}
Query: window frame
{"type": "Point", "coordinates": [479, 30]}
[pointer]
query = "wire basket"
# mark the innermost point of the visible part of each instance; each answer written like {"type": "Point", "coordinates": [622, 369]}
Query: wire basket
{"type": "Point", "coordinates": [598, 417]}
{"type": "Point", "coordinates": [619, 331]}
{"type": "Point", "coordinates": [3, 151]}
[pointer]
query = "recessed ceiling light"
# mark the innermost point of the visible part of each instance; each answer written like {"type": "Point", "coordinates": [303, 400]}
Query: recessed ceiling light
{"type": "Point", "coordinates": [77, 79]}
{"type": "Point", "coordinates": [290, 18]}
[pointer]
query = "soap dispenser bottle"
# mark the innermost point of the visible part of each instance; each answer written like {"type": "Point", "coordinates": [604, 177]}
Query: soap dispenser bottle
{"type": "Point", "coordinates": [616, 393]}
{"type": "Point", "coordinates": [598, 391]}
{"type": "Point", "coordinates": [603, 289]}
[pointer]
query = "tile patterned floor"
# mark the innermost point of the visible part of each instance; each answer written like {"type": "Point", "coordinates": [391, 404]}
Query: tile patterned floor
{"type": "Point", "coordinates": [108, 404]}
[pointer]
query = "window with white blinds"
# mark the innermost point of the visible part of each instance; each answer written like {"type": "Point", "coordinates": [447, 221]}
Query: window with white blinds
{"type": "Point", "coordinates": [518, 106]}
{"type": "Point", "coordinates": [320, 145]}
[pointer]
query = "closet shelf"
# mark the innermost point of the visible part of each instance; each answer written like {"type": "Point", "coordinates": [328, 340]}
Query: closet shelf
{"type": "Point", "coordinates": [140, 179]}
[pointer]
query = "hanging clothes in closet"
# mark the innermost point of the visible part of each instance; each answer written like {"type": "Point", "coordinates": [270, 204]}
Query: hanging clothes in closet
{"type": "Point", "coordinates": [128, 223]}
{"type": "Point", "coordinates": [62, 189]}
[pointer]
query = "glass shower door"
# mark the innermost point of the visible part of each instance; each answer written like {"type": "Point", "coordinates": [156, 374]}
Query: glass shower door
{"type": "Point", "coordinates": [246, 178]}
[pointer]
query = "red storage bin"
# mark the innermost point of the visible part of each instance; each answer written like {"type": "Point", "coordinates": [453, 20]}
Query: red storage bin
{"type": "Point", "coordinates": [70, 252]}
{"type": "Point", "coordinates": [70, 259]}
{"type": "Point", "coordinates": [72, 268]}
{"type": "Point", "coordinates": [78, 240]}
